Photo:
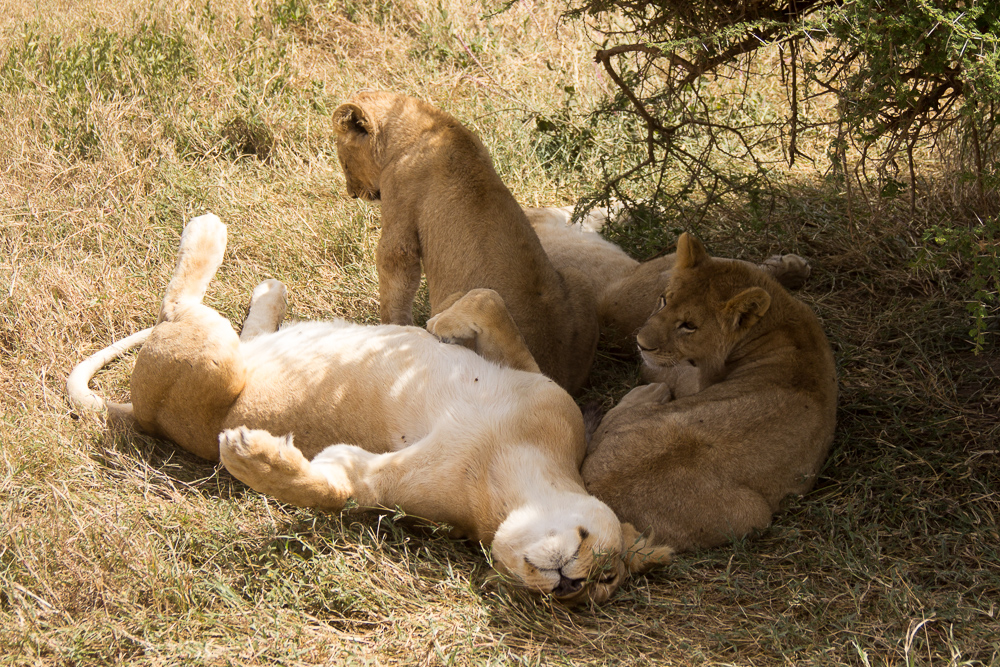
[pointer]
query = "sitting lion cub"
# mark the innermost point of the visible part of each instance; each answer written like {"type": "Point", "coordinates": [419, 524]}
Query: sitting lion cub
{"type": "Point", "coordinates": [444, 205]}
{"type": "Point", "coordinates": [387, 415]}
{"type": "Point", "coordinates": [741, 413]}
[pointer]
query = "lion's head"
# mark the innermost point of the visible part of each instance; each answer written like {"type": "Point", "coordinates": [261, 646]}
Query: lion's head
{"type": "Point", "coordinates": [576, 554]}
{"type": "Point", "coordinates": [707, 308]}
{"type": "Point", "coordinates": [571, 553]}
{"type": "Point", "coordinates": [372, 129]}
{"type": "Point", "coordinates": [358, 126]}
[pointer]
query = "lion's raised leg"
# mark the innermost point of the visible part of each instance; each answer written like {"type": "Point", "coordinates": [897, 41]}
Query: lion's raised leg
{"type": "Point", "coordinates": [203, 244]}
{"type": "Point", "coordinates": [268, 304]}
{"type": "Point", "coordinates": [480, 321]}
{"type": "Point", "coordinates": [190, 369]}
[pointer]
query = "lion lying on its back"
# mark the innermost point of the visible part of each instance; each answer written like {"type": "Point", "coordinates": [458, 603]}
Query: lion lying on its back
{"type": "Point", "coordinates": [741, 412]}
{"type": "Point", "coordinates": [317, 413]}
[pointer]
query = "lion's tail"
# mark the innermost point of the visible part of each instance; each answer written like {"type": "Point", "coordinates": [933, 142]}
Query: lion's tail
{"type": "Point", "coordinates": [83, 399]}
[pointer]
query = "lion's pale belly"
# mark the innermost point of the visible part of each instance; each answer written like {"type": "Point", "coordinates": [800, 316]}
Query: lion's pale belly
{"type": "Point", "coordinates": [381, 388]}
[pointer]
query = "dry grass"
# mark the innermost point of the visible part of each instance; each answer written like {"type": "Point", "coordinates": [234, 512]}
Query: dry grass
{"type": "Point", "coordinates": [121, 121]}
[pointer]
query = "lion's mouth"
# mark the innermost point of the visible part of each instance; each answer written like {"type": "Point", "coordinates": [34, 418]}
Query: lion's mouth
{"type": "Point", "coordinates": [567, 587]}
{"type": "Point", "coordinates": [653, 361]}
{"type": "Point", "coordinates": [660, 361]}
{"type": "Point", "coordinates": [367, 195]}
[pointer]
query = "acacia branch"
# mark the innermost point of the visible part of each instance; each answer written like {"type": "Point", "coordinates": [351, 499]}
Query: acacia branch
{"type": "Point", "coordinates": [604, 57]}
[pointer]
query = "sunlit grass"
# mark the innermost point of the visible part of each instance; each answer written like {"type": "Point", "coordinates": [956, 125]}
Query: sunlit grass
{"type": "Point", "coordinates": [122, 121]}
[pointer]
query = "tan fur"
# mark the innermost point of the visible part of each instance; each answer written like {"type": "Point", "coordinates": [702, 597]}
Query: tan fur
{"type": "Point", "coordinates": [625, 290]}
{"type": "Point", "coordinates": [443, 205]}
{"type": "Point", "coordinates": [318, 413]}
{"type": "Point", "coordinates": [742, 413]}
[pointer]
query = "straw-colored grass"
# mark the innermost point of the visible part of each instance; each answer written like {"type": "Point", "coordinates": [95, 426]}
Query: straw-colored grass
{"type": "Point", "coordinates": [122, 120]}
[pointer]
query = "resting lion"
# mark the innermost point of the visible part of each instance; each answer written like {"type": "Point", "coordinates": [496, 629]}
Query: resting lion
{"type": "Point", "coordinates": [741, 413]}
{"type": "Point", "coordinates": [482, 442]}
{"type": "Point", "coordinates": [625, 291]}
{"type": "Point", "coordinates": [444, 205]}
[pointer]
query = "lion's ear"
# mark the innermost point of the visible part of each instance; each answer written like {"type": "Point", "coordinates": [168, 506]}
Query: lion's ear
{"type": "Point", "coordinates": [640, 556]}
{"type": "Point", "coordinates": [746, 308]}
{"type": "Point", "coordinates": [690, 252]}
{"type": "Point", "coordinates": [349, 117]}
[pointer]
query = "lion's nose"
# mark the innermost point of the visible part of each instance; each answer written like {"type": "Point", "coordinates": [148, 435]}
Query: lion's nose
{"type": "Point", "coordinates": [567, 586]}
{"type": "Point", "coordinates": [644, 342]}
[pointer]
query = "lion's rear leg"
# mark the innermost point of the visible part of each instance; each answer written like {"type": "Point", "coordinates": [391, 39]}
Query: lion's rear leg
{"type": "Point", "coordinates": [268, 304]}
{"type": "Point", "coordinates": [190, 371]}
{"type": "Point", "coordinates": [203, 244]}
{"type": "Point", "coordinates": [479, 319]}
{"type": "Point", "coordinates": [273, 465]}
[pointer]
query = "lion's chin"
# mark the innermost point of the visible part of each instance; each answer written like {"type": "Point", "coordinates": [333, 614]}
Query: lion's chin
{"type": "Point", "coordinates": [371, 196]}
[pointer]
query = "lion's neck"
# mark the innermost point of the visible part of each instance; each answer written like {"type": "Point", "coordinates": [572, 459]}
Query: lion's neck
{"type": "Point", "coordinates": [788, 331]}
{"type": "Point", "coordinates": [525, 478]}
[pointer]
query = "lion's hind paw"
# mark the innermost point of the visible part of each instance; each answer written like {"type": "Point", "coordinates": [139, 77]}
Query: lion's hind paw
{"type": "Point", "coordinates": [790, 270]}
{"type": "Point", "coordinates": [206, 232]}
{"type": "Point", "coordinates": [268, 305]}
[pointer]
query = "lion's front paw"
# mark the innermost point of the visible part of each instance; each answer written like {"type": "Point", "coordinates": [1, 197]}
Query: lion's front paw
{"type": "Point", "coordinates": [460, 322]}
{"type": "Point", "coordinates": [791, 271]}
{"type": "Point", "coordinates": [450, 328]}
{"type": "Point", "coordinates": [467, 317]}
{"type": "Point", "coordinates": [657, 392]}
{"type": "Point", "coordinates": [258, 458]}
{"type": "Point", "coordinates": [683, 379]}
{"type": "Point", "coordinates": [272, 465]}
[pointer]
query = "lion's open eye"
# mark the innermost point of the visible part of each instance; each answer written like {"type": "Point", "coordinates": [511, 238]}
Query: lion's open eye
{"type": "Point", "coordinates": [686, 327]}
